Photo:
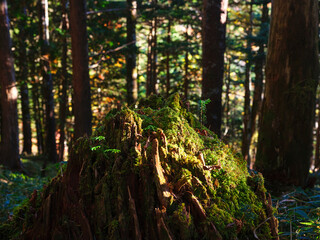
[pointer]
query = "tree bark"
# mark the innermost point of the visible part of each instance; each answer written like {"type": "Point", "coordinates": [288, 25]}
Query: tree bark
{"type": "Point", "coordinates": [213, 48]}
{"type": "Point", "coordinates": [24, 91]}
{"type": "Point", "coordinates": [132, 86]}
{"type": "Point", "coordinates": [317, 145]}
{"type": "Point", "coordinates": [152, 55]}
{"type": "Point", "coordinates": [258, 69]}
{"type": "Point", "coordinates": [65, 81]}
{"type": "Point", "coordinates": [285, 137]}
{"type": "Point", "coordinates": [50, 124]}
{"type": "Point", "coordinates": [168, 76]}
{"type": "Point", "coordinates": [9, 118]}
{"type": "Point", "coordinates": [80, 79]}
{"type": "Point", "coordinates": [246, 134]}
{"type": "Point", "coordinates": [186, 65]}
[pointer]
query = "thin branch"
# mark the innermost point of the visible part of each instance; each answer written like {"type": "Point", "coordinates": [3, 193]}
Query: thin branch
{"type": "Point", "coordinates": [106, 10]}
{"type": "Point", "coordinates": [103, 57]}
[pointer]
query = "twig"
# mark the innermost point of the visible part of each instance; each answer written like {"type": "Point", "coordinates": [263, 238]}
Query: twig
{"type": "Point", "coordinates": [107, 52]}
{"type": "Point", "coordinates": [106, 10]}
{"type": "Point", "coordinates": [254, 231]}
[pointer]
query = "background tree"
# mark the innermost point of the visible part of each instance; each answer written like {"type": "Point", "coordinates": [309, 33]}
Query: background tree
{"type": "Point", "coordinates": [80, 78]}
{"type": "Point", "coordinates": [64, 81]}
{"type": "Point", "coordinates": [23, 80]}
{"type": "Point", "coordinates": [213, 48]}
{"type": "Point", "coordinates": [9, 150]}
{"type": "Point", "coordinates": [285, 136]}
{"type": "Point", "coordinates": [50, 125]}
{"type": "Point", "coordinates": [132, 87]}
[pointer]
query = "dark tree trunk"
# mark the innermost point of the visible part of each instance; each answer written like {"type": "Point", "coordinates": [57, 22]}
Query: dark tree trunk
{"type": "Point", "coordinates": [65, 80]}
{"type": "Point", "coordinates": [37, 114]}
{"type": "Point", "coordinates": [285, 136]}
{"type": "Point", "coordinates": [24, 91]}
{"type": "Point", "coordinates": [186, 66]}
{"type": "Point", "coordinates": [246, 134]}
{"type": "Point", "coordinates": [259, 67]}
{"type": "Point", "coordinates": [168, 59]}
{"type": "Point", "coordinates": [152, 56]}
{"type": "Point", "coordinates": [35, 94]}
{"type": "Point", "coordinates": [50, 124]}
{"type": "Point", "coordinates": [317, 147]}
{"type": "Point", "coordinates": [227, 99]}
{"type": "Point", "coordinates": [80, 79]}
{"type": "Point", "coordinates": [9, 151]}
{"type": "Point", "coordinates": [132, 86]}
{"type": "Point", "coordinates": [213, 48]}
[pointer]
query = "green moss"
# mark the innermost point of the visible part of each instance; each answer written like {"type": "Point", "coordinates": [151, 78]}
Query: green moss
{"type": "Point", "coordinates": [226, 193]}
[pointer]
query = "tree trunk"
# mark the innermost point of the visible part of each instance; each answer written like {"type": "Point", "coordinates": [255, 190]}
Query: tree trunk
{"type": "Point", "coordinates": [227, 99]}
{"type": "Point", "coordinates": [259, 66]}
{"type": "Point", "coordinates": [50, 124]}
{"type": "Point", "coordinates": [23, 75]}
{"type": "Point", "coordinates": [317, 147]}
{"type": "Point", "coordinates": [80, 79]}
{"type": "Point", "coordinates": [152, 56]}
{"type": "Point", "coordinates": [132, 87]}
{"type": "Point", "coordinates": [213, 47]}
{"type": "Point", "coordinates": [168, 59]}
{"type": "Point", "coordinates": [285, 136]}
{"type": "Point", "coordinates": [246, 134]}
{"type": "Point", "coordinates": [186, 65]}
{"type": "Point", "coordinates": [65, 80]}
{"type": "Point", "coordinates": [9, 118]}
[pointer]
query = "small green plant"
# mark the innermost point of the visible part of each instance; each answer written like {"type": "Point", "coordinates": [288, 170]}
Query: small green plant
{"type": "Point", "coordinates": [102, 148]}
{"type": "Point", "coordinates": [203, 110]}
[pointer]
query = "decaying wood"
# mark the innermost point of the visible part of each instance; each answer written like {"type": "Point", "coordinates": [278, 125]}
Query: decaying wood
{"type": "Point", "coordinates": [207, 167]}
{"type": "Point", "coordinates": [273, 221]}
{"type": "Point", "coordinates": [153, 188]}
{"type": "Point", "coordinates": [133, 211]}
{"type": "Point", "coordinates": [200, 214]}
{"type": "Point", "coordinates": [163, 230]}
{"type": "Point", "coordinates": [161, 183]}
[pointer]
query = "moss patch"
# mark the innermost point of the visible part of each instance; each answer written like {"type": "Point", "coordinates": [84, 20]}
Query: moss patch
{"type": "Point", "coordinates": [155, 173]}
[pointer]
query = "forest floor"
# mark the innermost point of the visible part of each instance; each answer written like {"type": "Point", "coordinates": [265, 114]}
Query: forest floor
{"type": "Point", "coordinates": [298, 211]}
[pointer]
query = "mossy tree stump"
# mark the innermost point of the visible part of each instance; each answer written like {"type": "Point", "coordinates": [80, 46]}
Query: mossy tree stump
{"type": "Point", "coordinates": [153, 172]}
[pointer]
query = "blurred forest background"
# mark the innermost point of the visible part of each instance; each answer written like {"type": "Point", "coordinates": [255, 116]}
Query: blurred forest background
{"type": "Point", "coordinates": [135, 49]}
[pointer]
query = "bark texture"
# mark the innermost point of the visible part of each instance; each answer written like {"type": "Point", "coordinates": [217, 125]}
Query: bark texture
{"type": "Point", "coordinates": [23, 78]}
{"type": "Point", "coordinates": [9, 151]}
{"type": "Point", "coordinates": [64, 82]}
{"type": "Point", "coordinates": [80, 78]}
{"type": "Point", "coordinates": [132, 85]}
{"type": "Point", "coordinates": [50, 122]}
{"type": "Point", "coordinates": [151, 87]}
{"type": "Point", "coordinates": [285, 137]}
{"type": "Point", "coordinates": [213, 48]}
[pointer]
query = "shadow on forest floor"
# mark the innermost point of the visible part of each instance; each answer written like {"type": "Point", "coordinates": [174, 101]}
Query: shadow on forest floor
{"type": "Point", "coordinates": [16, 187]}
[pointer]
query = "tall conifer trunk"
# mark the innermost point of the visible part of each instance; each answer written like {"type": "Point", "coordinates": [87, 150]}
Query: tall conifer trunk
{"type": "Point", "coordinates": [152, 55]}
{"type": "Point", "coordinates": [246, 134]}
{"type": "Point", "coordinates": [132, 86]}
{"type": "Point", "coordinates": [80, 62]}
{"type": "Point", "coordinates": [64, 83]}
{"type": "Point", "coordinates": [168, 75]}
{"type": "Point", "coordinates": [50, 123]}
{"type": "Point", "coordinates": [24, 91]}
{"type": "Point", "coordinates": [213, 48]}
{"type": "Point", "coordinates": [285, 136]}
{"type": "Point", "coordinates": [9, 151]}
